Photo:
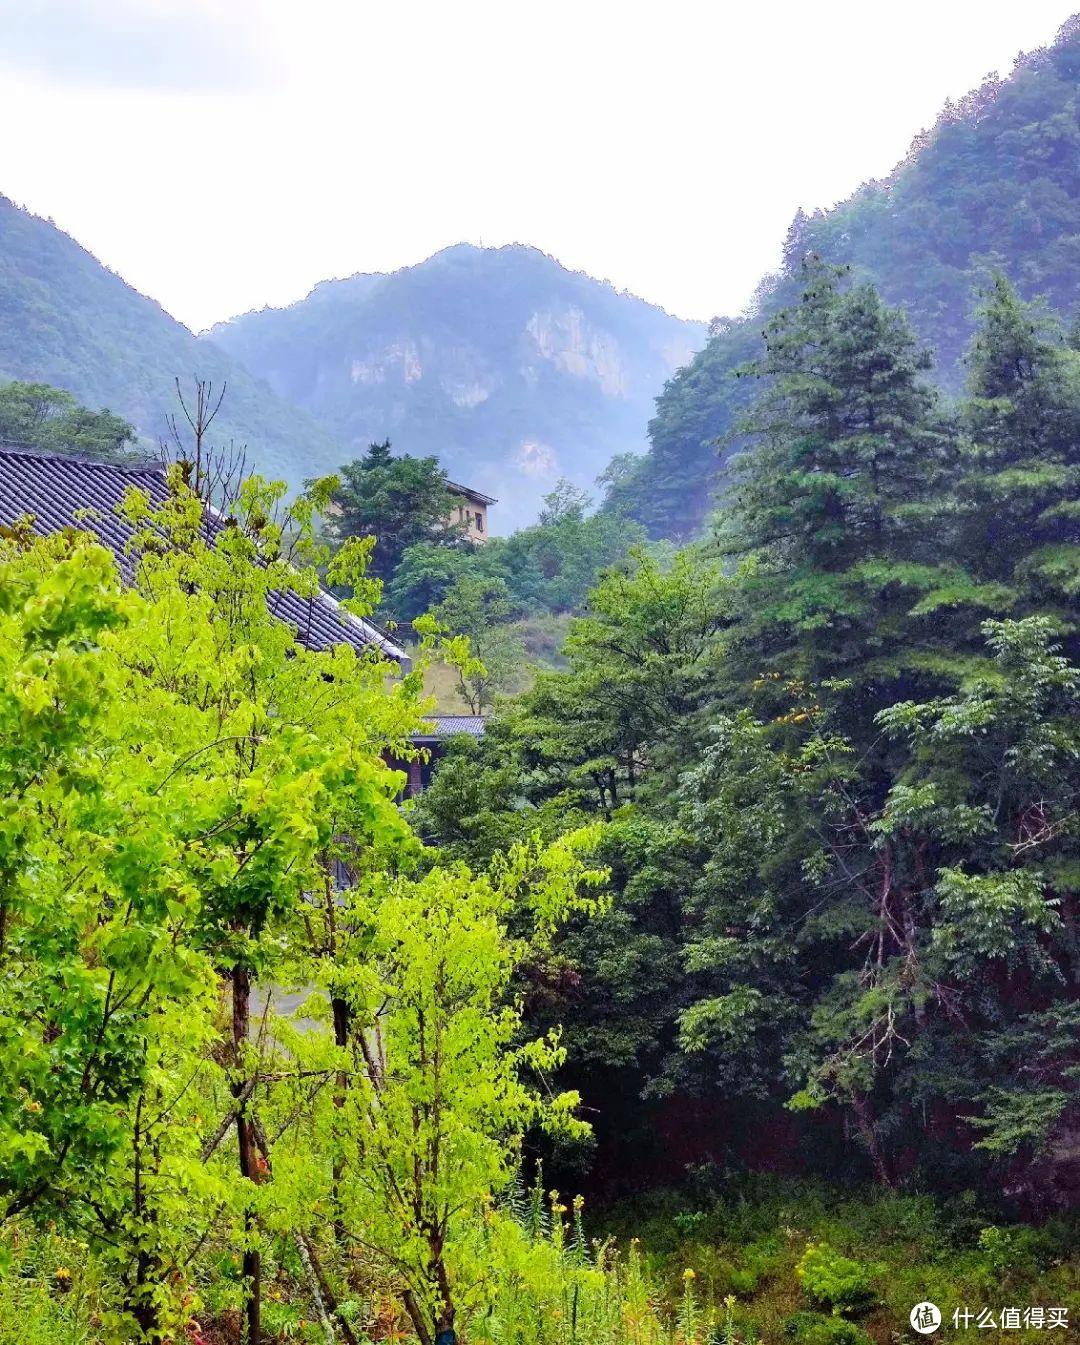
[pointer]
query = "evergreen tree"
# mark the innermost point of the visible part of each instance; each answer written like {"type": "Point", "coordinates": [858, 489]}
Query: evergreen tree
{"type": "Point", "coordinates": [1020, 492]}
{"type": "Point", "coordinates": [399, 501]}
{"type": "Point", "coordinates": [836, 500]}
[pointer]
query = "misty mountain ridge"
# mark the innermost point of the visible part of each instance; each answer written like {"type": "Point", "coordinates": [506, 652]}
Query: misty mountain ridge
{"type": "Point", "coordinates": [993, 186]}
{"type": "Point", "coordinates": [510, 368]}
{"type": "Point", "coordinates": [68, 320]}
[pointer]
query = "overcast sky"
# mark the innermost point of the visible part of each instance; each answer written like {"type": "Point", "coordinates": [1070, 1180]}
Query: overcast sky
{"type": "Point", "coordinates": [226, 154]}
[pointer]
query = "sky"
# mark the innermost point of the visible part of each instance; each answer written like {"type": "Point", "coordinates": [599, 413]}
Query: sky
{"type": "Point", "coordinates": [222, 155]}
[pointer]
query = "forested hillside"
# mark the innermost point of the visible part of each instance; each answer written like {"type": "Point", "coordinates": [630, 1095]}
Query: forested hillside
{"type": "Point", "coordinates": [755, 923]}
{"type": "Point", "coordinates": [835, 749]}
{"type": "Point", "coordinates": [716, 979]}
{"type": "Point", "coordinates": [511, 369]}
{"type": "Point", "coordinates": [68, 321]}
{"type": "Point", "coordinates": [995, 184]}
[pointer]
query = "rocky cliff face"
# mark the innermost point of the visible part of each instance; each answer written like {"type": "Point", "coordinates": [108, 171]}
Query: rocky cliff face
{"type": "Point", "coordinates": [510, 368]}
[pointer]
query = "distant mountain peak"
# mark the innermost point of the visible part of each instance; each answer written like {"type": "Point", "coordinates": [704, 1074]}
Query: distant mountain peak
{"type": "Point", "coordinates": [499, 360]}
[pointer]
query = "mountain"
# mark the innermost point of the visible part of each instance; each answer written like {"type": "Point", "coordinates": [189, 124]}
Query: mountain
{"type": "Point", "coordinates": [511, 369]}
{"type": "Point", "coordinates": [995, 184]}
{"type": "Point", "coordinates": [67, 320]}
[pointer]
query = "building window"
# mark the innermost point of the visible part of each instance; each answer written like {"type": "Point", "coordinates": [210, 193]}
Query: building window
{"type": "Point", "coordinates": [479, 522]}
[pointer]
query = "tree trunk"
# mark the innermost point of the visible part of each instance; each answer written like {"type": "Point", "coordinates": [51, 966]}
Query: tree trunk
{"type": "Point", "coordinates": [416, 1316]}
{"type": "Point", "coordinates": [865, 1122]}
{"type": "Point", "coordinates": [252, 1264]}
{"type": "Point", "coordinates": [341, 1040]}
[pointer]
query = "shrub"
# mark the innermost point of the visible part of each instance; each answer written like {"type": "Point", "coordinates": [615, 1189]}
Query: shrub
{"type": "Point", "coordinates": [811, 1328]}
{"type": "Point", "coordinates": [835, 1280]}
{"type": "Point", "coordinates": [1010, 1250]}
{"type": "Point", "coordinates": [744, 1282]}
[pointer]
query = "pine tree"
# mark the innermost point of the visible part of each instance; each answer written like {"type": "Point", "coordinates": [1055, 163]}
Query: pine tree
{"type": "Point", "coordinates": [837, 501]}
{"type": "Point", "coordinates": [1020, 492]}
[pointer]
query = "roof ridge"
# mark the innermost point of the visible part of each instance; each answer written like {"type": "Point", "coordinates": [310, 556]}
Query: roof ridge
{"type": "Point", "coordinates": [130, 467]}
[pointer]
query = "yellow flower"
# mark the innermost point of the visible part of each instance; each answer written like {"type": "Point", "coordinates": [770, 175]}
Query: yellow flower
{"type": "Point", "coordinates": [62, 1273]}
{"type": "Point", "coordinates": [688, 1275]}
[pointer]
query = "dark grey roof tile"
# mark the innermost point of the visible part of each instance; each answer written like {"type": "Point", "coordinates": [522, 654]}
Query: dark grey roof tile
{"type": "Point", "coordinates": [70, 492]}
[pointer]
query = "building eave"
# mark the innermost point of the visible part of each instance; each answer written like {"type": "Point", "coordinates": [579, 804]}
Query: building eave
{"type": "Point", "coordinates": [467, 493]}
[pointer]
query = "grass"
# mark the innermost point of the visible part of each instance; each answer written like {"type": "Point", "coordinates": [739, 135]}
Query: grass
{"type": "Point", "coordinates": [764, 1262]}
{"type": "Point", "coordinates": [751, 1243]}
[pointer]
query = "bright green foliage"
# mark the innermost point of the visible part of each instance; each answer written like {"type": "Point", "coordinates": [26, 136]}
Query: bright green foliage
{"type": "Point", "coordinates": [35, 415]}
{"type": "Point", "coordinates": [479, 608]}
{"type": "Point", "coordinates": [66, 1057]}
{"type": "Point", "coordinates": [198, 779]}
{"type": "Point", "coordinates": [190, 765]}
{"type": "Point", "coordinates": [105, 999]}
{"type": "Point", "coordinates": [435, 1093]}
{"type": "Point", "coordinates": [834, 1280]}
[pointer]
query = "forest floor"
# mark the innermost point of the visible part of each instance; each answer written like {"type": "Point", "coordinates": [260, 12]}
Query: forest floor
{"type": "Point", "coordinates": [875, 1257]}
{"type": "Point", "coordinates": [798, 1263]}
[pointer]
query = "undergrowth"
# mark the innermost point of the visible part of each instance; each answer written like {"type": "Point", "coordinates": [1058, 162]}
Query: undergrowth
{"type": "Point", "coordinates": [765, 1261]}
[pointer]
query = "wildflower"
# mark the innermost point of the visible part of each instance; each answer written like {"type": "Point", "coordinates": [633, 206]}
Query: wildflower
{"type": "Point", "coordinates": [688, 1275]}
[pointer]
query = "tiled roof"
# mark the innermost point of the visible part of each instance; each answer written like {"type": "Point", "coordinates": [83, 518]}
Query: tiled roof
{"type": "Point", "coordinates": [55, 490]}
{"type": "Point", "coordinates": [447, 725]}
{"type": "Point", "coordinates": [456, 488]}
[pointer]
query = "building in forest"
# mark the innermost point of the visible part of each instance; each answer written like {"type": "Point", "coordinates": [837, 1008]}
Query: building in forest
{"type": "Point", "coordinates": [57, 491]}
{"type": "Point", "coordinates": [471, 509]}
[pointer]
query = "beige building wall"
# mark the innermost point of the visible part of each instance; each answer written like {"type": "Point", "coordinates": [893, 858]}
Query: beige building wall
{"type": "Point", "coordinates": [474, 516]}
{"type": "Point", "coordinates": [471, 508]}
